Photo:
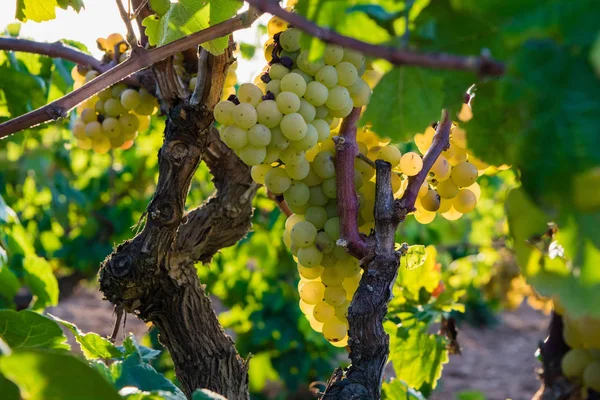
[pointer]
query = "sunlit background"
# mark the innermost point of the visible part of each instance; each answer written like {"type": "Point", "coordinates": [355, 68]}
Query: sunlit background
{"type": "Point", "coordinates": [101, 18]}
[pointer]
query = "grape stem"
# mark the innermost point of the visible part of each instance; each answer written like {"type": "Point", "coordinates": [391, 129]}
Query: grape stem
{"type": "Point", "coordinates": [346, 152]}
{"type": "Point", "coordinates": [441, 141]}
{"type": "Point", "coordinates": [125, 16]}
{"type": "Point", "coordinates": [139, 59]}
{"type": "Point", "coordinates": [483, 65]}
{"type": "Point", "coordinates": [366, 159]}
{"type": "Point", "coordinates": [278, 199]}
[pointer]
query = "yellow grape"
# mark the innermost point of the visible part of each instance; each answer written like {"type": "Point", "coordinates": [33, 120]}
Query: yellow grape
{"type": "Point", "coordinates": [459, 138]}
{"type": "Point", "coordinates": [335, 330]}
{"type": "Point", "coordinates": [423, 216]}
{"type": "Point", "coordinates": [310, 273]}
{"type": "Point", "coordinates": [88, 115]}
{"type": "Point", "coordinates": [476, 189]}
{"type": "Point", "coordinates": [431, 201]}
{"type": "Point", "coordinates": [315, 325]}
{"type": "Point", "coordinates": [422, 143]}
{"type": "Point", "coordinates": [335, 295]}
{"type": "Point", "coordinates": [79, 130]}
{"type": "Point", "coordinates": [111, 127]}
{"type": "Point", "coordinates": [350, 285]}
{"type": "Point", "coordinates": [341, 311]}
{"type": "Point", "coordinates": [445, 205]}
{"type": "Point", "coordinates": [340, 343]}
{"type": "Point", "coordinates": [307, 309]}
{"type": "Point", "coordinates": [591, 376]}
{"type": "Point", "coordinates": [411, 163]}
{"type": "Point", "coordinates": [312, 292]}
{"type": "Point", "coordinates": [465, 201]}
{"type": "Point", "coordinates": [258, 173]}
{"type": "Point", "coordinates": [574, 362]}
{"type": "Point", "coordinates": [441, 169]}
{"type": "Point", "coordinates": [464, 174]}
{"type": "Point", "coordinates": [447, 189]}
{"type": "Point", "coordinates": [390, 154]}
{"type": "Point", "coordinates": [323, 311]}
{"type": "Point", "coordinates": [101, 144]}
{"type": "Point", "coordinates": [84, 143]}
{"type": "Point", "coordinates": [130, 99]}
{"type": "Point", "coordinates": [452, 214]}
{"type": "Point", "coordinates": [93, 129]}
{"type": "Point", "coordinates": [423, 189]}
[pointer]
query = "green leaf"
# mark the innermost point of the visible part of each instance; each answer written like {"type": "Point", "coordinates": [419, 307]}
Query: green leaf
{"type": "Point", "coordinates": [415, 257]}
{"type": "Point", "coordinates": [470, 395]}
{"type": "Point", "coordinates": [135, 372]}
{"type": "Point", "coordinates": [427, 276]}
{"type": "Point", "coordinates": [405, 102]}
{"type": "Point", "coordinates": [418, 359]}
{"type": "Point", "coordinates": [92, 345]}
{"type": "Point", "coordinates": [205, 394]}
{"type": "Point", "coordinates": [23, 91]}
{"type": "Point", "coordinates": [9, 390]}
{"type": "Point", "coordinates": [44, 375]}
{"type": "Point", "coordinates": [40, 279]}
{"type": "Point", "coordinates": [9, 283]}
{"type": "Point", "coordinates": [190, 16]}
{"type": "Point", "coordinates": [76, 5]}
{"type": "Point", "coordinates": [36, 10]}
{"type": "Point", "coordinates": [28, 329]}
{"type": "Point", "coordinates": [247, 50]}
{"type": "Point", "coordinates": [131, 347]}
{"type": "Point", "coordinates": [399, 390]}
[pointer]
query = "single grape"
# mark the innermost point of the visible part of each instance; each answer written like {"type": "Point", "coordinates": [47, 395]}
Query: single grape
{"type": "Point", "coordinates": [431, 201]}
{"type": "Point", "coordinates": [390, 154]}
{"type": "Point", "coordinates": [445, 205]}
{"type": "Point", "coordinates": [347, 73]}
{"type": "Point", "coordinates": [298, 171]}
{"type": "Point", "coordinates": [312, 292]}
{"type": "Point", "coordinates": [354, 57]}
{"type": "Point", "coordinates": [344, 111]}
{"type": "Point", "coordinates": [591, 376]}
{"type": "Point", "coordinates": [324, 243]}
{"type": "Point", "coordinates": [338, 98]}
{"type": "Point", "coordinates": [317, 216]}
{"type": "Point", "coordinates": [441, 169]}
{"type": "Point", "coordinates": [288, 102]}
{"type": "Point", "coordinates": [350, 268]}
{"type": "Point", "coordinates": [258, 173]}
{"type": "Point", "coordinates": [323, 311]}
{"type": "Point", "coordinates": [111, 127]}
{"type": "Point", "coordinates": [423, 189]}
{"type": "Point", "coordinates": [113, 108]}
{"type": "Point", "coordinates": [411, 163]}
{"type": "Point", "coordinates": [268, 113]}
{"type": "Point", "coordinates": [278, 140]}
{"type": "Point", "coordinates": [117, 89]}
{"type": "Point", "coordinates": [332, 275]}
{"type": "Point", "coordinates": [465, 201]}
{"type": "Point", "coordinates": [309, 256]}
{"type": "Point", "coordinates": [290, 39]}
{"type": "Point", "coordinates": [276, 25]}
{"type": "Point", "coordinates": [332, 228]}
{"type": "Point", "coordinates": [274, 86]}
{"type": "Point", "coordinates": [305, 65]}
{"type": "Point", "coordinates": [322, 128]}
{"type": "Point", "coordinates": [321, 112]}
{"type": "Point", "coordinates": [303, 234]}
{"type": "Point", "coordinates": [330, 188]}
{"type": "Point", "coordinates": [116, 142]}
{"type": "Point", "coordinates": [350, 285]}
{"type": "Point", "coordinates": [365, 169]}
{"type": "Point", "coordinates": [79, 130]}
{"type": "Point", "coordinates": [317, 197]}
{"type": "Point", "coordinates": [244, 115]}
{"type": "Point", "coordinates": [323, 164]}
{"type": "Point", "coordinates": [335, 330]}
{"type": "Point", "coordinates": [307, 77]}
{"type": "Point", "coordinates": [91, 75]}
{"type": "Point", "coordinates": [297, 194]}
{"type": "Point", "coordinates": [333, 54]}
{"type": "Point", "coordinates": [447, 189]}
{"type": "Point", "coordinates": [308, 141]}
{"type": "Point", "coordinates": [293, 126]}
{"type": "Point", "coordinates": [464, 174]}
{"type": "Point", "coordinates": [360, 92]}
{"type": "Point", "coordinates": [93, 129]}
{"type": "Point", "coordinates": [259, 135]}
{"type": "Point", "coordinates": [307, 111]}
{"type": "Point", "coordinates": [234, 137]}
{"type": "Point", "coordinates": [253, 155]}
{"type": "Point", "coordinates": [88, 115]}
{"type": "Point", "coordinates": [341, 311]}
{"type": "Point", "coordinates": [310, 273]}
{"type": "Point", "coordinates": [249, 93]}
{"type": "Point", "coordinates": [423, 216]}
{"type": "Point", "coordinates": [291, 156]}
{"type": "Point", "coordinates": [130, 99]}
{"type": "Point", "coordinates": [316, 93]}
{"type": "Point", "coordinates": [294, 83]}
{"type": "Point", "coordinates": [277, 180]}
{"type": "Point", "coordinates": [278, 71]}
{"type": "Point", "coordinates": [335, 295]}
{"type": "Point", "coordinates": [99, 106]}
{"type": "Point", "coordinates": [101, 144]}
{"type": "Point", "coordinates": [327, 76]}
{"type": "Point", "coordinates": [459, 137]}
{"type": "Point", "coordinates": [129, 124]}
{"type": "Point", "coordinates": [574, 362]}
{"type": "Point", "coordinates": [223, 112]}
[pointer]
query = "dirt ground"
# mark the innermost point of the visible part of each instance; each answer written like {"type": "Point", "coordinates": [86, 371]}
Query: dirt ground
{"type": "Point", "coordinates": [498, 362]}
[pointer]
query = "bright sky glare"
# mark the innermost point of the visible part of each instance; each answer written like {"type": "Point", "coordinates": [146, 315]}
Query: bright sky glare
{"type": "Point", "coordinates": [101, 18]}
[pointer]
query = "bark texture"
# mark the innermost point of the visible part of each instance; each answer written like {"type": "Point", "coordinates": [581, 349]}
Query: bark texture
{"type": "Point", "coordinates": [153, 274]}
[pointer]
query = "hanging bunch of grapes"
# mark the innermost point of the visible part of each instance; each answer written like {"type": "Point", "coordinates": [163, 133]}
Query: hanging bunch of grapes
{"type": "Point", "coordinates": [113, 118]}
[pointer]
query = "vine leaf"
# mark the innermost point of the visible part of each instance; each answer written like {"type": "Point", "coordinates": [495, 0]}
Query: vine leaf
{"type": "Point", "coordinates": [415, 257]}
{"type": "Point", "coordinates": [187, 17]}
{"type": "Point", "coordinates": [40, 279]}
{"type": "Point", "coordinates": [43, 10]}
{"type": "Point", "coordinates": [27, 329]}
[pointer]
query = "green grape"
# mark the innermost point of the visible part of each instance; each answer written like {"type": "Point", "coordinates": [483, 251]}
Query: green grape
{"type": "Point", "coordinates": [317, 197]}
{"type": "Point", "coordinates": [329, 260]}
{"type": "Point", "coordinates": [322, 128]}
{"type": "Point", "coordinates": [341, 253]}
{"type": "Point", "coordinates": [293, 220]}
{"type": "Point", "coordinates": [303, 234]}
{"type": "Point", "coordinates": [350, 285]}
{"type": "Point", "coordinates": [249, 93]}
{"type": "Point", "coordinates": [324, 243]}
{"type": "Point", "coordinates": [341, 311]}
{"type": "Point", "coordinates": [333, 54]}
{"type": "Point", "coordinates": [307, 77]}
{"type": "Point", "coordinates": [88, 115]}
{"type": "Point", "coordinates": [294, 83]}
{"type": "Point", "coordinates": [335, 295]}
{"type": "Point", "coordinates": [244, 115]}
{"type": "Point", "coordinates": [93, 129]}
{"type": "Point", "coordinates": [310, 273]}
{"type": "Point", "coordinates": [291, 156]}
{"type": "Point", "coordinates": [298, 171]}
{"type": "Point", "coordinates": [441, 169]}
{"type": "Point", "coordinates": [312, 292]}
{"type": "Point", "coordinates": [79, 129]}
{"type": "Point", "coordinates": [327, 76]}
{"type": "Point", "coordinates": [447, 189]}
{"type": "Point", "coordinates": [297, 194]}
{"type": "Point", "coordinates": [130, 99]}
{"type": "Point", "coordinates": [323, 164]}
{"type": "Point", "coordinates": [91, 75]}
{"type": "Point", "coordinates": [465, 201]}
{"type": "Point", "coordinates": [591, 376]}
{"type": "Point", "coordinates": [330, 188]}
{"type": "Point", "coordinates": [105, 94]}
{"type": "Point", "coordinates": [293, 126]}
{"type": "Point", "coordinates": [253, 155]}
{"type": "Point", "coordinates": [117, 89]}
{"type": "Point", "coordinates": [574, 362]}
{"type": "Point", "coordinates": [258, 173]}
{"type": "Point", "coordinates": [366, 170]}
{"type": "Point", "coordinates": [317, 216]}
{"type": "Point", "coordinates": [99, 106]}
{"type": "Point", "coordinates": [316, 93]}
{"type": "Point", "coordinates": [288, 102]}
{"type": "Point", "coordinates": [322, 112]}
{"type": "Point", "coordinates": [129, 124]}
{"type": "Point", "coordinates": [343, 112]}
{"type": "Point", "coordinates": [360, 92]}
{"type": "Point", "coordinates": [278, 71]}
{"type": "Point", "coordinates": [411, 163]}
{"type": "Point", "coordinates": [347, 73]}
{"type": "Point", "coordinates": [279, 141]}
{"type": "Point", "coordinates": [431, 200]}
{"type": "Point", "coordinates": [277, 180]}
{"type": "Point", "coordinates": [307, 111]}
{"type": "Point", "coordinates": [290, 39]}
{"type": "Point", "coordinates": [354, 57]}
{"type": "Point", "coordinates": [100, 144]}
{"type": "Point", "coordinates": [268, 113]}
{"type": "Point", "coordinates": [234, 137]}
{"type": "Point", "coordinates": [390, 154]}
{"type": "Point", "coordinates": [111, 127]}
{"type": "Point", "coordinates": [259, 135]}
{"type": "Point", "coordinates": [350, 268]}
{"type": "Point", "coordinates": [312, 179]}
{"type": "Point", "coordinates": [304, 64]}
{"type": "Point", "coordinates": [116, 142]}
{"type": "Point", "coordinates": [332, 228]}
{"type": "Point", "coordinates": [310, 257]}
{"type": "Point", "coordinates": [113, 108]}
{"type": "Point", "coordinates": [308, 141]}
{"type": "Point", "coordinates": [332, 275]}
{"type": "Point", "coordinates": [274, 86]}
{"type": "Point", "coordinates": [338, 98]}
{"type": "Point", "coordinates": [272, 155]}
{"type": "Point", "coordinates": [223, 112]}
{"type": "Point", "coordinates": [298, 209]}
{"type": "Point", "coordinates": [464, 174]}
{"type": "Point", "coordinates": [335, 330]}
{"type": "Point", "coordinates": [323, 311]}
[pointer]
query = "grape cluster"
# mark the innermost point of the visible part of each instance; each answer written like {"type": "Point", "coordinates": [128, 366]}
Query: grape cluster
{"type": "Point", "coordinates": [112, 118]}
{"type": "Point", "coordinates": [581, 364]}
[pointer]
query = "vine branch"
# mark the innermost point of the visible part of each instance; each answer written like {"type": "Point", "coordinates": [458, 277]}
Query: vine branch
{"type": "Point", "coordinates": [483, 65]}
{"type": "Point", "coordinates": [346, 152]}
{"type": "Point", "coordinates": [140, 58]}
{"type": "Point", "coordinates": [125, 16]}
{"type": "Point", "coordinates": [53, 50]}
